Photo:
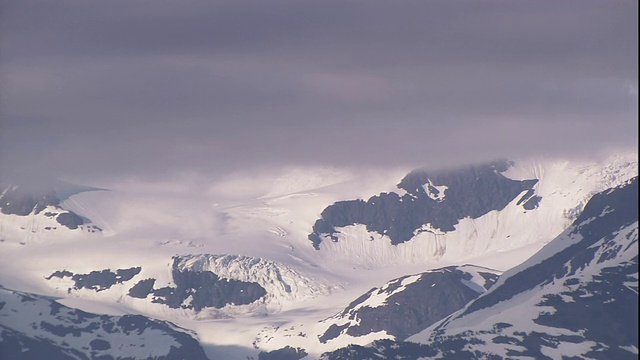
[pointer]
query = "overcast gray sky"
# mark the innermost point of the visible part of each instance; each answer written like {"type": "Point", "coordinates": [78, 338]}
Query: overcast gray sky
{"type": "Point", "coordinates": [96, 88]}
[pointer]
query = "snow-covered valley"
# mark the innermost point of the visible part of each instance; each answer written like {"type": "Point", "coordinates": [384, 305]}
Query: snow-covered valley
{"type": "Point", "coordinates": [234, 260]}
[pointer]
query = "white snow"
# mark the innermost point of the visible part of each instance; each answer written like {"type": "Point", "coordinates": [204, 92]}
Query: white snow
{"type": "Point", "coordinates": [31, 317]}
{"type": "Point", "coordinates": [632, 349]}
{"type": "Point", "coordinates": [380, 297]}
{"type": "Point", "coordinates": [521, 310]}
{"type": "Point", "coordinates": [268, 216]}
{"type": "Point", "coordinates": [284, 284]}
{"type": "Point", "coordinates": [435, 192]}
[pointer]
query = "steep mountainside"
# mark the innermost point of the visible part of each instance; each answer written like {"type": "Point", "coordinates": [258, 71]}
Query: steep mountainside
{"type": "Point", "coordinates": [404, 306]}
{"type": "Point", "coordinates": [457, 215]}
{"type": "Point", "coordinates": [35, 213]}
{"type": "Point", "coordinates": [398, 309]}
{"type": "Point", "coordinates": [577, 297]}
{"type": "Point", "coordinates": [37, 327]}
{"type": "Point", "coordinates": [231, 259]}
{"type": "Point", "coordinates": [434, 201]}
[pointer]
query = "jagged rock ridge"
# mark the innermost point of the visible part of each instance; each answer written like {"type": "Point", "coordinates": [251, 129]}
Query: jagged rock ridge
{"type": "Point", "coordinates": [576, 298]}
{"type": "Point", "coordinates": [409, 304]}
{"type": "Point", "coordinates": [37, 327]}
{"type": "Point", "coordinates": [436, 198]}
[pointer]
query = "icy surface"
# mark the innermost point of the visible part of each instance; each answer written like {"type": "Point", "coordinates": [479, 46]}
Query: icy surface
{"type": "Point", "coordinates": [262, 220]}
{"type": "Point", "coordinates": [284, 284]}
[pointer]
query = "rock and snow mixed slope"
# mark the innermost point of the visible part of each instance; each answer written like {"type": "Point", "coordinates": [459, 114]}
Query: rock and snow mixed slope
{"type": "Point", "coordinates": [409, 304]}
{"type": "Point", "coordinates": [34, 214]}
{"type": "Point", "coordinates": [263, 225]}
{"type": "Point", "coordinates": [282, 284]}
{"type": "Point", "coordinates": [199, 286]}
{"type": "Point", "coordinates": [577, 297]}
{"type": "Point", "coordinates": [483, 209]}
{"type": "Point", "coordinates": [396, 310]}
{"type": "Point", "coordinates": [469, 192]}
{"type": "Point", "coordinates": [37, 327]}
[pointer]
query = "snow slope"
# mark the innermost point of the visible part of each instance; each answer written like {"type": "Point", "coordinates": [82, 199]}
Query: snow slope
{"type": "Point", "coordinates": [37, 327]}
{"type": "Point", "coordinates": [36, 215]}
{"type": "Point", "coordinates": [251, 226]}
{"type": "Point", "coordinates": [563, 188]}
{"type": "Point", "coordinates": [577, 297]}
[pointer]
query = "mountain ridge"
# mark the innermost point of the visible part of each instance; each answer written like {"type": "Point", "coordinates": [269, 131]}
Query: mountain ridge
{"type": "Point", "coordinates": [254, 239]}
{"type": "Point", "coordinates": [577, 297]}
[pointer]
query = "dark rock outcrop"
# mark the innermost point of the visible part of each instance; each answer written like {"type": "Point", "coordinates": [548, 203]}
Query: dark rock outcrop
{"type": "Point", "coordinates": [59, 332]}
{"type": "Point", "coordinates": [576, 298]}
{"type": "Point", "coordinates": [410, 304]}
{"type": "Point", "coordinates": [17, 201]}
{"type": "Point", "coordinates": [21, 201]}
{"type": "Point", "coordinates": [142, 288]}
{"type": "Point", "coordinates": [70, 220]}
{"type": "Point", "coordinates": [439, 198]}
{"type": "Point", "coordinates": [286, 353]}
{"type": "Point", "coordinates": [98, 280]}
{"type": "Point", "coordinates": [198, 290]}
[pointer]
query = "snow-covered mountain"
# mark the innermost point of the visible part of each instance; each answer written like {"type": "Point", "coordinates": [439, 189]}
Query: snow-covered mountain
{"type": "Point", "coordinates": [432, 202]}
{"type": "Point", "coordinates": [396, 310]}
{"type": "Point", "coordinates": [577, 297]}
{"type": "Point", "coordinates": [408, 304]}
{"type": "Point", "coordinates": [297, 262]}
{"type": "Point", "coordinates": [478, 210]}
{"type": "Point", "coordinates": [38, 327]}
{"type": "Point", "coordinates": [199, 286]}
{"type": "Point", "coordinates": [36, 214]}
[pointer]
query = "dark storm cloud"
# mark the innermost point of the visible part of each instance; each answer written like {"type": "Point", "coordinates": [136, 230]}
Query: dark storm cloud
{"type": "Point", "coordinates": [111, 87]}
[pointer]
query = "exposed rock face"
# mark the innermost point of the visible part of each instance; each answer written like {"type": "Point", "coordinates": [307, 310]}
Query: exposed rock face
{"type": "Point", "coordinates": [237, 277]}
{"type": "Point", "coordinates": [576, 298]}
{"type": "Point", "coordinates": [142, 288]}
{"type": "Point", "coordinates": [440, 199]}
{"type": "Point", "coordinates": [97, 280]}
{"type": "Point", "coordinates": [70, 220]}
{"type": "Point", "coordinates": [201, 281]}
{"type": "Point", "coordinates": [286, 353]}
{"type": "Point", "coordinates": [410, 304]}
{"type": "Point", "coordinates": [198, 290]}
{"type": "Point", "coordinates": [35, 327]}
{"type": "Point", "coordinates": [16, 200]}
{"type": "Point", "coordinates": [207, 289]}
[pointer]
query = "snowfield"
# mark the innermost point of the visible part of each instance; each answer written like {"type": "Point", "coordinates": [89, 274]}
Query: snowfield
{"type": "Point", "coordinates": [255, 227]}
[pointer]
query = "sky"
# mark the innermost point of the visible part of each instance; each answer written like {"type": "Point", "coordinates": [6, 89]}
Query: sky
{"type": "Point", "coordinates": [92, 89]}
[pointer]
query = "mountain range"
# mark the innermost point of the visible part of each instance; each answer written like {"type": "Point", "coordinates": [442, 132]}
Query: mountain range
{"type": "Point", "coordinates": [506, 259]}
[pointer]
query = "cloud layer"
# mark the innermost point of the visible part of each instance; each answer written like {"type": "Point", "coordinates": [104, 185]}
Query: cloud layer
{"type": "Point", "coordinates": [95, 88]}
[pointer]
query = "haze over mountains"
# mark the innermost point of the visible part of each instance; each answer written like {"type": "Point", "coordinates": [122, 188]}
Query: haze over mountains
{"type": "Point", "coordinates": [317, 179]}
{"type": "Point", "coordinates": [319, 259]}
